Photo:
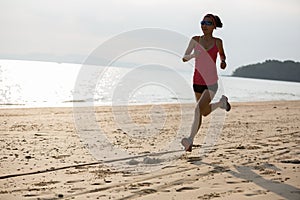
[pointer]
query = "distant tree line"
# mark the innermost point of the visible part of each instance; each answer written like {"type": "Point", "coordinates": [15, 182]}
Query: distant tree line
{"type": "Point", "coordinates": [271, 69]}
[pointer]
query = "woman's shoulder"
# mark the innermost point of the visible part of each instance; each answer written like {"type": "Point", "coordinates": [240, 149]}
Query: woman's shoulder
{"type": "Point", "coordinates": [218, 40]}
{"type": "Point", "coordinates": [196, 38]}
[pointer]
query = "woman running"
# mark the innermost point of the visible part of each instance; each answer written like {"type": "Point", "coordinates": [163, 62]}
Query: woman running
{"type": "Point", "coordinates": [205, 81]}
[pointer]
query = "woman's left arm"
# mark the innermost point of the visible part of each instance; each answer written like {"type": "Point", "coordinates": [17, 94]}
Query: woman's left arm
{"type": "Point", "coordinates": [221, 53]}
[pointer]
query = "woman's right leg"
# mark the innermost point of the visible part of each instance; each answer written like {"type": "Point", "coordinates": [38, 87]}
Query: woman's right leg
{"type": "Point", "coordinates": [204, 100]}
{"type": "Point", "coordinates": [202, 103]}
{"type": "Point", "coordinates": [197, 117]}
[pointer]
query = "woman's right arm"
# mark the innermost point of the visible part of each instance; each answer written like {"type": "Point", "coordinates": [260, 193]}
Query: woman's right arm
{"type": "Point", "coordinates": [187, 55]}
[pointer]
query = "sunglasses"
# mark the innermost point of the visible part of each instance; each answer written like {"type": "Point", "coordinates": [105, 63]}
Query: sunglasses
{"type": "Point", "coordinates": [207, 23]}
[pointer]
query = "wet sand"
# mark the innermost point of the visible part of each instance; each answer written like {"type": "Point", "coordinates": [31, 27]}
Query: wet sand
{"type": "Point", "coordinates": [256, 156]}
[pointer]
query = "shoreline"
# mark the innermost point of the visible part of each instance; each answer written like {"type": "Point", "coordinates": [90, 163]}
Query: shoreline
{"type": "Point", "coordinates": [256, 155]}
{"type": "Point", "coordinates": [141, 104]}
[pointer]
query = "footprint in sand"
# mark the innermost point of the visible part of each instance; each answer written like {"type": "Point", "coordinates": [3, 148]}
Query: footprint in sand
{"type": "Point", "coordinates": [186, 188]}
{"type": "Point", "coordinates": [147, 160]}
{"type": "Point", "coordinates": [291, 161]}
{"type": "Point", "coordinates": [74, 181]}
{"type": "Point", "coordinates": [146, 191]}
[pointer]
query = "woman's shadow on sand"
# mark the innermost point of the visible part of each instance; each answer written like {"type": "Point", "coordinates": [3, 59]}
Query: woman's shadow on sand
{"type": "Point", "coordinates": [245, 172]}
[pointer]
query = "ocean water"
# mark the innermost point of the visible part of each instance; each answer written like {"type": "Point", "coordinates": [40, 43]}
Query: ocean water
{"type": "Point", "coordinates": [48, 84]}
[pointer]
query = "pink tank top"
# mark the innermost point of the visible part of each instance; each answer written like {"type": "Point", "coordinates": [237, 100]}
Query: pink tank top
{"type": "Point", "coordinates": [205, 66]}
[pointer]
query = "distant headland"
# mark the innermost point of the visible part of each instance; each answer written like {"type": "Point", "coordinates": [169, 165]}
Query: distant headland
{"type": "Point", "coordinates": [272, 70]}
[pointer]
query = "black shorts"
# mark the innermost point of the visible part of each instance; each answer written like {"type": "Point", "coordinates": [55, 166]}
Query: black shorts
{"type": "Point", "coordinates": [201, 88]}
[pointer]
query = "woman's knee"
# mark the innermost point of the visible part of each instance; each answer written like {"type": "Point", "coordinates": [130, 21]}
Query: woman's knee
{"type": "Point", "coordinates": [204, 110]}
{"type": "Point", "coordinates": [205, 113]}
{"type": "Point", "coordinates": [204, 103]}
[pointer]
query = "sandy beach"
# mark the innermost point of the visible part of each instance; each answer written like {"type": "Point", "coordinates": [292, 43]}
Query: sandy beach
{"type": "Point", "coordinates": [256, 155]}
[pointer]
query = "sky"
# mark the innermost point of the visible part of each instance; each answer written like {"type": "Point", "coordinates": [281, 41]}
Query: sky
{"type": "Point", "coordinates": [70, 30]}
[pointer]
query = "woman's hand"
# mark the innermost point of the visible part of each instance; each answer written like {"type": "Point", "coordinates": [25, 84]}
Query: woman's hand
{"type": "Point", "coordinates": [191, 56]}
{"type": "Point", "coordinates": [184, 59]}
{"type": "Point", "coordinates": [223, 64]}
{"type": "Point", "coordinates": [188, 57]}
